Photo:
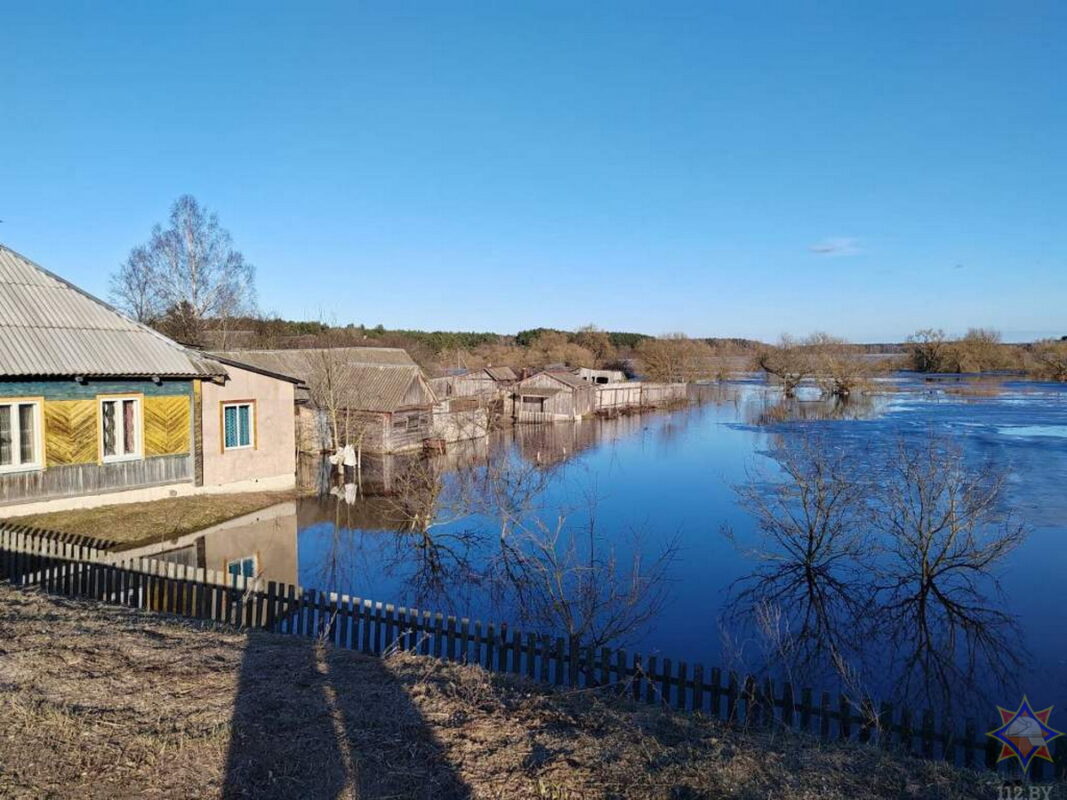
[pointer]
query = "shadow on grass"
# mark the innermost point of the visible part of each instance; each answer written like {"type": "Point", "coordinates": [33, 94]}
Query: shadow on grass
{"type": "Point", "coordinates": [313, 721]}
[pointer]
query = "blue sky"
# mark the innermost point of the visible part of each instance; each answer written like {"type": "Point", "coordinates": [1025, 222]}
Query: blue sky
{"type": "Point", "coordinates": [715, 168]}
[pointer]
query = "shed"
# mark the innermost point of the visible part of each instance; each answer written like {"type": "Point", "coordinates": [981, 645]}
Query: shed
{"type": "Point", "coordinates": [552, 397]}
{"type": "Point", "coordinates": [374, 398]}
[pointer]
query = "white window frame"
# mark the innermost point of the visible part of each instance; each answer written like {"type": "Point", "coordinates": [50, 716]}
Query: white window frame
{"type": "Point", "coordinates": [17, 465]}
{"type": "Point", "coordinates": [138, 426]}
{"type": "Point", "coordinates": [251, 425]}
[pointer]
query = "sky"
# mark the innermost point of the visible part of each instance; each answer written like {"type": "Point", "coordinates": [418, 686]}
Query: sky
{"type": "Point", "coordinates": [719, 169]}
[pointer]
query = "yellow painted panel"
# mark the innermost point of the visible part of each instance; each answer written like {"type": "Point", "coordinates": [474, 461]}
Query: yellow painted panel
{"type": "Point", "coordinates": [70, 432]}
{"type": "Point", "coordinates": [166, 426]}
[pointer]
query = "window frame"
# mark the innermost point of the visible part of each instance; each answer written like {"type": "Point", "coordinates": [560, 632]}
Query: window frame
{"type": "Point", "coordinates": [253, 421]}
{"type": "Point", "coordinates": [240, 561]}
{"type": "Point", "coordinates": [16, 438]}
{"type": "Point", "coordinates": [138, 426]}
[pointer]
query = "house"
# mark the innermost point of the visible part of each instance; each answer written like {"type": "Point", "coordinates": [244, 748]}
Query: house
{"type": "Point", "coordinates": [374, 398]}
{"type": "Point", "coordinates": [552, 397]}
{"type": "Point", "coordinates": [486, 381]}
{"type": "Point", "coordinates": [600, 376]}
{"type": "Point", "coordinates": [96, 408]}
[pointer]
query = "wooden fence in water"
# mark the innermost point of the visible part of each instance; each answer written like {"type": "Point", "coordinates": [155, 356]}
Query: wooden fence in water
{"type": "Point", "coordinates": [82, 568]}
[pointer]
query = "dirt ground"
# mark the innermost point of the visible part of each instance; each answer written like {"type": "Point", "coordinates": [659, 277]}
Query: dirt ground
{"type": "Point", "coordinates": [140, 523]}
{"type": "Point", "coordinates": [103, 702]}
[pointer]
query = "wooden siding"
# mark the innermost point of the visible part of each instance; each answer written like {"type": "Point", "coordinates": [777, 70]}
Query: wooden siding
{"type": "Point", "coordinates": [614, 396]}
{"type": "Point", "coordinates": [166, 426]}
{"type": "Point", "coordinates": [407, 430]}
{"type": "Point", "coordinates": [81, 479]}
{"type": "Point", "coordinates": [66, 389]}
{"type": "Point", "coordinates": [70, 432]}
{"type": "Point", "coordinates": [569, 402]}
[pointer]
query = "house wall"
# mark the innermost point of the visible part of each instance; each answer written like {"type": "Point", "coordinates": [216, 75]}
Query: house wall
{"type": "Point", "coordinates": [271, 460]}
{"type": "Point", "coordinates": [408, 429]}
{"type": "Point", "coordinates": [70, 438]}
{"type": "Point", "coordinates": [571, 402]}
{"type": "Point", "coordinates": [459, 423]}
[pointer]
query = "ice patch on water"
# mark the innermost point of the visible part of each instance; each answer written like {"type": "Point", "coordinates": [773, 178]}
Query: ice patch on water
{"type": "Point", "coordinates": [1058, 431]}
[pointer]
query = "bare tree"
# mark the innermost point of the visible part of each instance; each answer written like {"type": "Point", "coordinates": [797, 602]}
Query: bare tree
{"type": "Point", "coordinates": [186, 274]}
{"type": "Point", "coordinates": [980, 350]}
{"type": "Point", "coordinates": [840, 368]}
{"type": "Point", "coordinates": [135, 287]}
{"type": "Point", "coordinates": [596, 342]}
{"type": "Point", "coordinates": [790, 362]}
{"type": "Point", "coordinates": [1049, 359]}
{"type": "Point", "coordinates": [929, 349]}
{"type": "Point", "coordinates": [675, 358]}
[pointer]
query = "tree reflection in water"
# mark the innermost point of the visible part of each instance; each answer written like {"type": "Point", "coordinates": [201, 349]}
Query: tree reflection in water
{"type": "Point", "coordinates": [885, 578]}
{"type": "Point", "coordinates": [477, 520]}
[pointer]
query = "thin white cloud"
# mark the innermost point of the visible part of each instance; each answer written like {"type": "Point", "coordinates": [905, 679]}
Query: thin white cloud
{"type": "Point", "coordinates": [836, 246]}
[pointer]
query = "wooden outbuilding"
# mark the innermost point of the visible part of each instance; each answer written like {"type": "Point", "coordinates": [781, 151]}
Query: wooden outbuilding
{"type": "Point", "coordinates": [373, 398]}
{"type": "Point", "coordinates": [552, 397]}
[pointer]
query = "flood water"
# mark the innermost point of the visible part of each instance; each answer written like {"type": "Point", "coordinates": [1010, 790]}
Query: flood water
{"type": "Point", "coordinates": [661, 487]}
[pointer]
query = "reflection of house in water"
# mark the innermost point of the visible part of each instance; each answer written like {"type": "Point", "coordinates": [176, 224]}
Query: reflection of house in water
{"type": "Point", "coordinates": [552, 444]}
{"type": "Point", "coordinates": [262, 544]}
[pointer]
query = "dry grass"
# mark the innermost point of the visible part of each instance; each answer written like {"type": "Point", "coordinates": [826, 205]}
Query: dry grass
{"type": "Point", "coordinates": [106, 702]}
{"type": "Point", "coordinates": [155, 520]}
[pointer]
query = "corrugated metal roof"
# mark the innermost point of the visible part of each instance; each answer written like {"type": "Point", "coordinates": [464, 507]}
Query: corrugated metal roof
{"type": "Point", "coordinates": [49, 327]}
{"type": "Point", "coordinates": [357, 384]}
{"type": "Point", "coordinates": [502, 373]}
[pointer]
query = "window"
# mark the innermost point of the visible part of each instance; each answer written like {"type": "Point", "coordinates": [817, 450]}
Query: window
{"type": "Point", "coordinates": [242, 567]}
{"type": "Point", "coordinates": [238, 423]}
{"type": "Point", "coordinates": [533, 404]}
{"type": "Point", "coordinates": [120, 428]}
{"type": "Point", "coordinates": [20, 435]}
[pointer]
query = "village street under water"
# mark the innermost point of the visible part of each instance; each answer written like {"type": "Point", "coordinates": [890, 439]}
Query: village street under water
{"type": "Point", "coordinates": [656, 495]}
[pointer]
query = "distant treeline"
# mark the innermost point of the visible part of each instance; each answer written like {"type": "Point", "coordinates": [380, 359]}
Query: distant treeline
{"type": "Point", "coordinates": [668, 358]}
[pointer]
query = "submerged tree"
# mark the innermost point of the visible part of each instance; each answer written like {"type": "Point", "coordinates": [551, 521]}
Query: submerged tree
{"type": "Point", "coordinates": [790, 362]}
{"type": "Point", "coordinates": [1048, 359]}
{"type": "Point", "coordinates": [186, 274]}
{"type": "Point", "coordinates": [840, 368]}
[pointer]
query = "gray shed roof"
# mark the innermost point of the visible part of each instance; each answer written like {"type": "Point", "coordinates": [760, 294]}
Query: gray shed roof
{"type": "Point", "coordinates": [382, 384]}
{"type": "Point", "coordinates": [502, 373]}
{"type": "Point", "coordinates": [51, 328]}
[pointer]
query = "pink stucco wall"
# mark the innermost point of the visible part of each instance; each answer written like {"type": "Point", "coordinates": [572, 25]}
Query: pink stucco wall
{"type": "Point", "coordinates": [273, 456]}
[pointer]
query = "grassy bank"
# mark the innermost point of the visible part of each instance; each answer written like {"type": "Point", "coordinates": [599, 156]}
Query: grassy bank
{"type": "Point", "coordinates": [103, 702]}
{"type": "Point", "coordinates": [157, 520]}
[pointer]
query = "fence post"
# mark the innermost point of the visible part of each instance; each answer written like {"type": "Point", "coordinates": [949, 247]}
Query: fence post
{"type": "Point", "coordinates": [845, 718]}
{"type": "Point", "coordinates": [928, 734]}
{"type": "Point", "coordinates": [573, 655]}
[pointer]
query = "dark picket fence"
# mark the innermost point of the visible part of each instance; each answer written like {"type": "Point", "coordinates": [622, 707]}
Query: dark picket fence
{"type": "Point", "coordinates": [74, 568]}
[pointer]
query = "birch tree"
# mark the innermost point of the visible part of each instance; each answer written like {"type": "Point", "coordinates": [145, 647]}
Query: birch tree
{"type": "Point", "coordinates": [187, 274]}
